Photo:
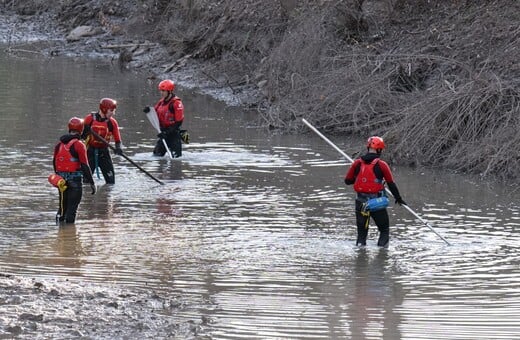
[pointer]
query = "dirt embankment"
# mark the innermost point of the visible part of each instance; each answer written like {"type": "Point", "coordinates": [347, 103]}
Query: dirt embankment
{"type": "Point", "coordinates": [439, 80]}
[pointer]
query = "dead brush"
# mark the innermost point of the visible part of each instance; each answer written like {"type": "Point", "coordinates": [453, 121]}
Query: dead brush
{"type": "Point", "coordinates": [472, 128]}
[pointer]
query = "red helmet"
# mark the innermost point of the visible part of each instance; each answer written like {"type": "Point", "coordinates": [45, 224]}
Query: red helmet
{"type": "Point", "coordinates": [166, 85]}
{"type": "Point", "coordinates": [375, 142]}
{"type": "Point", "coordinates": [76, 124]}
{"type": "Point", "coordinates": [107, 104]}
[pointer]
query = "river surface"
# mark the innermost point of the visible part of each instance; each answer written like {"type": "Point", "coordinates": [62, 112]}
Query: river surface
{"type": "Point", "coordinates": [254, 231]}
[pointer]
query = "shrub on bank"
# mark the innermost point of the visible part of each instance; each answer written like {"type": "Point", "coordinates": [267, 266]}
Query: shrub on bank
{"type": "Point", "coordinates": [439, 80]}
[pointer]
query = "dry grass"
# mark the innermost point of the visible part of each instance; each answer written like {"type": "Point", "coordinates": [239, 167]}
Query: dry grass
{"type": "Point", "coordinates": [472, 128]}
{"type": "Point", "coordinates": [439, 80]}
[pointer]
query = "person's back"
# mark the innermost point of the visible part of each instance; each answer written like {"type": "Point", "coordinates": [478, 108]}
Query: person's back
{"type": "Point", "coordinates": [70, 166]}
{"type": "Point", "coordinates": [369, 174]}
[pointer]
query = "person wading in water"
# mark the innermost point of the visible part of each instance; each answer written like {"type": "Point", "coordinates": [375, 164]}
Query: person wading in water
{"type": "Point", "coordinates": [368, 173]}
{"type": "Point", "coordinates": [105, 125]}
{"type": "Point", "coordinates": [70, 166]}
{"type": "Point", "coordinates": [170, 112]}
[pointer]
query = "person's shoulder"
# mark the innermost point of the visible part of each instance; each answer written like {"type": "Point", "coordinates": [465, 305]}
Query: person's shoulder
{"type": "Point", "coordinates": [79, 143]}
{"type": "Point", "coordinates": [356, 162]}
{"type": "Point", "coordinates": [383, 163]}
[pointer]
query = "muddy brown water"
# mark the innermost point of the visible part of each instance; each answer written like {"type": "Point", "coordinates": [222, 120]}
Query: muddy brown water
{"type": "Point", "coordinates": [254, 231]}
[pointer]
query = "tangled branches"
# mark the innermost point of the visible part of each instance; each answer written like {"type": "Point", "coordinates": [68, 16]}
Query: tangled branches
{"type": "Point", "coordinates": [472, 128]}
{"type": "Point", "coordinates": [443, 94]}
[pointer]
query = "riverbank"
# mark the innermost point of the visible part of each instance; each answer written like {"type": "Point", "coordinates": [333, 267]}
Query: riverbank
{"type": "Point", "coordinates": [48, 37]}
{"type": "Point", "coordinates": [439, 81]}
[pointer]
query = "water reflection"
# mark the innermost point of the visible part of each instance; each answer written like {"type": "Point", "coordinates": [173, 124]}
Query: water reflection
{"type": "Point", "coordinates": [69, 250]}
{"type": "Point", "coordinates": [376, 295]}
{"type": "Point", "coordinates": [256, 231]}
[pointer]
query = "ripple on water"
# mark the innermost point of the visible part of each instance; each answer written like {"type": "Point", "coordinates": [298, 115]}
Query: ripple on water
{"type": "Point", "coordinates": [257, 232]}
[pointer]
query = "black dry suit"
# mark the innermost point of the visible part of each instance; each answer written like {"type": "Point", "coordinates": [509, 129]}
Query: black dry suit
{"type": "Point", "coordinates": [382, 173]}
{"type": "Point", "coordinates": [70, 198]}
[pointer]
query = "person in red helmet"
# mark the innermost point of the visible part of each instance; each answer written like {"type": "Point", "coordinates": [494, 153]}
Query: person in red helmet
{"type": "Point", "coordinates": [170, 112]}
{"type": "Point", "coordinates": [104, 125]}
{"type": "Point", "coordinates": [369, 173]}
{"type": "Point", "coordinates": [70, 163]}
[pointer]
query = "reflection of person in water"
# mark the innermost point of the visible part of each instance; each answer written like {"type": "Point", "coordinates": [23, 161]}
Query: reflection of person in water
{"type": "Point", "coordinates": [168, 207]}
{"type": "Point", "coordinates": [375, 297]}
{"type": "Point", "coordinates": [103, 207]}
{"type": "Point", "coordinates": [69, 249]}
{"type": "Point", "coordinates": [174, 171]}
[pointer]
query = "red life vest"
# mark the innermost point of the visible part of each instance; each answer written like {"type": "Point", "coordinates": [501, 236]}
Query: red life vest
{"type": "Point", "coordinates": [65, 162]}
{"type": "Point", "coordinates": [169, 112]}
{"type": "Point", "coordinates": [366, 181]}
{"type": "Point", "coordinates": [105, 129]}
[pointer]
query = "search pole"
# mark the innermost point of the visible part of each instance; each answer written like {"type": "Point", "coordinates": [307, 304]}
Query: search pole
{"type": "Point", "coordinates": [98, 137]}
{"type": "Point", "coordinates": [386, 189]}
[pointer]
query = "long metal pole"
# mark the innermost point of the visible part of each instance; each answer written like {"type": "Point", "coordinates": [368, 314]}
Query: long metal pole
{"type": "Point", "coordinates": [388, 191]}
{"type": "Point", "coordinates": [98, 137]}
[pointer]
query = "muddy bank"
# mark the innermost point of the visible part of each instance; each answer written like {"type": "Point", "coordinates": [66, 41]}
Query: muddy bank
{"type": "Point", "coordinates": [41, 32]}
{"type": "Point", "coordinates": [38, 309]}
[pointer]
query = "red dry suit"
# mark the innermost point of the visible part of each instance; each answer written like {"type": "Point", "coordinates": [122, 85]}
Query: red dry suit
{"type": "Point", "coordinates": [70, 162]}
{"type": "Point", "coordinates": [64, 161]}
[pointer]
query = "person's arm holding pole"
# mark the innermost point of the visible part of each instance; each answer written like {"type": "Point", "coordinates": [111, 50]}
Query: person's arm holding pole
{"type": "Point", "coordinates": [120, 153]}
{"type": "Point", "coordinates": [152, 117]}
{"type": "Point", "coordinates": [386, 189]}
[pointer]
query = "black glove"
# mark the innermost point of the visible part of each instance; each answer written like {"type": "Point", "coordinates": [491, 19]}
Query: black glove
{"type": "Point", "coordinates": [162, 135]}
{"type": "Point", "coordinates": [146, 109]}
{"type": "Point", "coordinates": [118, 150]}
{"type": "Point", "coordinates": [400, 201]}
{"type": "Point", "coordinates": [93, 187]}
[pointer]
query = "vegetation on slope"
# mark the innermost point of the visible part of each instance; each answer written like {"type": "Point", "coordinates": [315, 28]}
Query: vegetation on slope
{"type": "Point", "coordinates": [439, 80]}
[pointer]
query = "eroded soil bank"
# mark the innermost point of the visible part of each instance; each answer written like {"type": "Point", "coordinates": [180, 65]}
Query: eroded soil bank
{"type": "Point", "coordinates": [439, 80]}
